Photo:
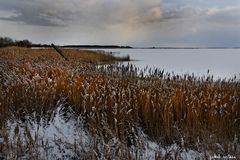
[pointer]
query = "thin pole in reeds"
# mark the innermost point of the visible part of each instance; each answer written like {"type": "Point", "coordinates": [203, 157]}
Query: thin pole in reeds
{"type": "Point", "coordinates": [59, 51]}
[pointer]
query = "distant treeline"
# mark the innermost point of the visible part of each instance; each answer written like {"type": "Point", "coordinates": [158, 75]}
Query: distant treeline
{"type": "Point", "coordinates": [95, 46]}
{"type": "Point", "coordinates": [82, 46]}
{"type": "Point", "coordinates": [41, 45]}
{"type": "Point", "coordinates": [6, 42]}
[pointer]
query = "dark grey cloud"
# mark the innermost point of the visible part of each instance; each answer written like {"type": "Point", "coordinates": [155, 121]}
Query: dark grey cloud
{"type": "Point", "coordinates": [39, 12]}
{"type": "Point", "coordinates": [41, 20]}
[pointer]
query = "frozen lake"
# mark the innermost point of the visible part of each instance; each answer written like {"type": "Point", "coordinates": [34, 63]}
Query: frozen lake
{"type": "Point", "coordinates": [222, 63]}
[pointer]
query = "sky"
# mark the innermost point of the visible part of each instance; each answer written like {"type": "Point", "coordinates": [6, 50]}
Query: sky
{"type": "Point", "coordinates": [139, 23]}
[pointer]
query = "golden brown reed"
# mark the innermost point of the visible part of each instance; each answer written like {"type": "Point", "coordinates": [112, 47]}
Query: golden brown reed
{"type": "Point", "coordinates": [117, 100]}
{"type": "Point", "coordinates": [16, 53]}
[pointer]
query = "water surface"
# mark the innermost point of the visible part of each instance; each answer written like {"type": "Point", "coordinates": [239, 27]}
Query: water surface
{"type": "Point", "coordinates": [222, 63]}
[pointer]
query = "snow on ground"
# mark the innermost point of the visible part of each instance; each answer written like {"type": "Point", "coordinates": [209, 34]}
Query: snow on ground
{"type": "Point", "coordinates": [59, 137]}
{"type": "Point", "coordinates": [65, 136]}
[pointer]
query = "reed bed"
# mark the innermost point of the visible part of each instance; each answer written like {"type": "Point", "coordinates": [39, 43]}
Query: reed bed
{"type": "Point", "coordinates": [21, 54]}
{"type": "Point", "coordinates": [119, 101]}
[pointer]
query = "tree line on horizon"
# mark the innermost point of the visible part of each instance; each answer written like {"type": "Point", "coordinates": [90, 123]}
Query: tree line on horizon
{"type": "Point", "coordinates": [7, 42]}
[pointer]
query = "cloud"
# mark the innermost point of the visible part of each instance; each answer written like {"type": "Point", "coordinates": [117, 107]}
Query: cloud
{"type": "Point", "coordinates": [40, 12]}
{"type": "Point", "coordinates": [91, 12]}
{"type": "Point", "coordinates": [223, 16]}
{"type": "Point", "coordinates": [46, 13]}
{"type": "Point", "coordinates": [126, 21]}
{"type": "Point", "coordinates": [197, 27]}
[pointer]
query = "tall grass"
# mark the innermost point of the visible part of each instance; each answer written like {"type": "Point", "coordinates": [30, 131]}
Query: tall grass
{"type": "Point", "coordinates": [119, 101]}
